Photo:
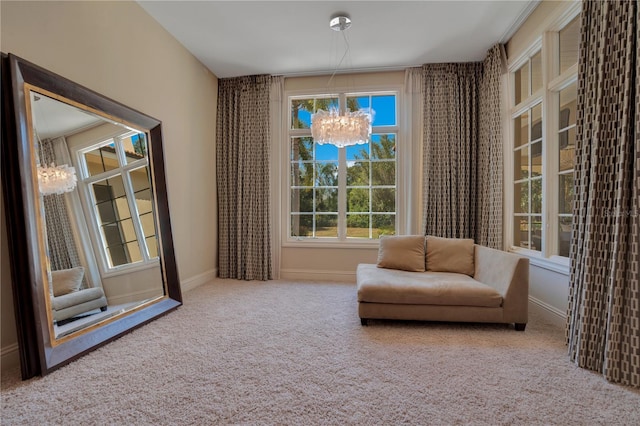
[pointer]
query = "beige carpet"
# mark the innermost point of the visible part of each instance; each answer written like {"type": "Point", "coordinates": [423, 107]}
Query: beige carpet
{"type": "Point", "coordinates": [295, 353]}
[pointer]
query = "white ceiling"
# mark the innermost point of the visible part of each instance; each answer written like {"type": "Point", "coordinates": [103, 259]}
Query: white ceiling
{"type": "Point", "coordinates": [234, 38]}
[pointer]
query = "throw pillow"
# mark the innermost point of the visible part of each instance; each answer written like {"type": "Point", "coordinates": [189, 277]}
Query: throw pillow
{"type": "Point", "coordinates": [67, 281]}
{"type": "Point", "coordinates": [450, 255]}
{"type": "Point", "coordinates": [404, 252]}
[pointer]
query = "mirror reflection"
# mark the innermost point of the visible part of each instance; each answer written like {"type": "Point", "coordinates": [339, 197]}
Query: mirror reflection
{"type": "Point", "coordinates": [96, 201]}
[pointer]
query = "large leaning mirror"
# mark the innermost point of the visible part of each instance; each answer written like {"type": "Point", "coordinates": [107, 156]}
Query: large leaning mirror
{"type": "Point", "coordinates": [88, 222]}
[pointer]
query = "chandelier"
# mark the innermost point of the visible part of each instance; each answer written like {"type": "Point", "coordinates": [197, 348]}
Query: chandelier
{"type": "Point", "coordinates": [341, 128]}
{"type": "Point", "coordinates": [350, 128]}
{"type": "Point", "coordinates": [56, 179]}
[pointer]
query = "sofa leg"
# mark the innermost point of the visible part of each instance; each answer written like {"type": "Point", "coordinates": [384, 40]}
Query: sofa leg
{"type": "Point", "coordinates": [103, 308]}
{"type": "Point", "coordinates": [363, 321]}
{"type": "Point", "coordinates": [520, 326]}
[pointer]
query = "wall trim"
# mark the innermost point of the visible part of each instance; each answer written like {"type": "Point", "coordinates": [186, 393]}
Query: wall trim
{"type": "Point", "coordinates": [198, 280]}
{"type": "Point", "coordinates": [317, 275]}
{"type": "Point", "coordinates": [548, 312]}
{"type": "Point", "coordinates": [9, 357]}
{"type": "Point", "coordinates": [133, 296]}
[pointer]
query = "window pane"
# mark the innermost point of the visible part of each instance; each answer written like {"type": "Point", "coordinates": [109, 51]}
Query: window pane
{"type": "Point", "coordinates": [301, 174]}
{"type": "Point", "coordinates": [134, 251]}
{"type": "Point", "coordinates": [358, 200]}
{"type": "Point", "coordinates": [536, 233]}
{"type": "Point", "coordinates": [356, 103]}
{"type": "Point", "coordinates": [564, 235]}
{"type": "Point", "coordinates": [384, 108]}
{"type": "Point", "coordinates": [536, 72]}
{"type": "Point", "coordinates": [140, 179]}
{"type": "Point", "coordinates": [383, 224]}
{"type": "Point", "coordinates": [567, 149]}
{"type": "Point", "coordinates": [152, 247]}
{"type": "Point", "coordinates": [521, 231]}
{"type": "Point", "coordinates": [521, 163]}
{"type": "Point", "coordinates": [148, 225]}
{"type": "Point", "coordinates": [536, 159]}
{"type": "Point", "coordinates": [302, 149]}
{"type": "Point", "coordinates": [358, 225]}
{"type": "Point", "coordinates": [565, 193]}
{"type": "Point", "coordinates": [111, 201]}
{"type": "Point", "coordinates": [383, 147]}
{"type": "Point", "coordinates": [358, 152]}
{"type": "Point", "coordinates": [135, 147]}
{"type": "Point", "coordinates": [521, 197]}
{"type": "Point", "coordinates": [521, 80]}
{"type": "Point", "coordinates": [521, 130]}
{"type": "Point", "coordinates": [326, 152]}
{"type": "Point", "coordinates": [302, 200]}
{"type": "Point", "coordinates": [569, 44]}
{"type": "Point", "coordinates": [536, 122]}
{"type": "Point", "coordinates": [383, 200]}
{"type": "Point", "coordinates": [326, 174]}
{"type": "Point", "coordinates": [101, 160]}
{"type": "Point", "coordinates": [301, 225]}
{"type": "Point", "coordinates": [536, 196]}
{"type": "Point", "coordinates": [358, 173]}
{"type": "Point", "coordinates": [327, 225]}
{"type": "Point", "coordinates": [383, 173]}
{"type": "Point", "coordinates": [327, 200]}
{"type": "Point", "coordinates": [568, 100]}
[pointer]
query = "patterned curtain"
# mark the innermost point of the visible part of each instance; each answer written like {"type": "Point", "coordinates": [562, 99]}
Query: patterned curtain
{"type": "Point", "coordinates": [490, 152]}
{"type": "Point", "coordinates": [63, 253]}
{"type": "Point", "coordinates": [603, 326]}
{"type": "Point", "coordinates": [242, 170]}
{"type": "Point", "coordinates": [450, 144]}
{"type": "Point", "coordinates": [462, 151]}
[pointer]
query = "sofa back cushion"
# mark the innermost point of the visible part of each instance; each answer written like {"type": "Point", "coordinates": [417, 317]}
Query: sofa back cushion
{"type": "Point", "coordinates": [450, 255]}
{"type": "Point", "coordinates": [405, 252]}
{"type": "Point", "coordinates": [67, 281]}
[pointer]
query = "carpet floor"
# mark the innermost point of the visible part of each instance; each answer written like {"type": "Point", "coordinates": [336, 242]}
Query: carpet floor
{"type": "Point", "coordinates": [294, 353]}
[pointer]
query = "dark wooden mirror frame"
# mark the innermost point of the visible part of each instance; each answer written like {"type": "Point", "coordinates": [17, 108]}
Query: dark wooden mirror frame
{"type": "Point", "coordinates": [37, 354]}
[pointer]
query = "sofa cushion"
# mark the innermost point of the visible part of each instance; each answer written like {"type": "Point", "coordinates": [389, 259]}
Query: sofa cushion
{"type": "Point", "coordinates": [67, 280]}
{"type": "Point", "coordinates": [377, 285]}
{"type": "Point", "coordinates": [405, 252]}
{"type": "Point", "coordinates": [76, 298]}
{"type": "Point", "coordinates": [450, 255]}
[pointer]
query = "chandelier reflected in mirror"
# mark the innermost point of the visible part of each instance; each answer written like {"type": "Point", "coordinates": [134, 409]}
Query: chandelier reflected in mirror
{"type": "Point", "coordinates": [56, 179]}
{"type": "Point", "coordinates": [341, 127]}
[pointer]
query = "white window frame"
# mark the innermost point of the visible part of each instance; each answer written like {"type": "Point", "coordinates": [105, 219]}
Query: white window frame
{"type": "Point", "coordinates": [85, 180]}
{"type": "Point", "coordinates": [552, 83]}
{"type": "Point", "coordinates": [401, 158]}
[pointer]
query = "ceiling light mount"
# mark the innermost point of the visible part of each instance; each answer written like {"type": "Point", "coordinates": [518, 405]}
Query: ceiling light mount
{"type": "Point", "coordinates": [340, 22]}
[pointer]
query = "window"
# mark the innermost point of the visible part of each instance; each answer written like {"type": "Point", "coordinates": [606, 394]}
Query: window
{"type": "Point", "coordinates": [343, 193]}
{"type": "Point", "coordinates": [543, 120]}
{"type": "Point", "coordinates": [115, 174]}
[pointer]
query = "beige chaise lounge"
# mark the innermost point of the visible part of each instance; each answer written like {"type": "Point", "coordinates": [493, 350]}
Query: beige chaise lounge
{"type": "Point", "coordinates": [463, 282]}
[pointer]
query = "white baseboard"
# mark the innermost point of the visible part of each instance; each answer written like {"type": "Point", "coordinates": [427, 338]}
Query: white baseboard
{"type": "Point", "coordinates": [9, 357]}
{"type": "Point", "coordinates": [198, 280]}
{"type": "Point", "coordinates": [318, 275]}
{"type": "Point", "coordinates": [550, 313]}
{"type": "Point", "coordinates": [133, 297]}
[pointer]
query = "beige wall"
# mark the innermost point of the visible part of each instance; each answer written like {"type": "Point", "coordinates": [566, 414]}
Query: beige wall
{"type": "Point", "coordinates": [116, 49]}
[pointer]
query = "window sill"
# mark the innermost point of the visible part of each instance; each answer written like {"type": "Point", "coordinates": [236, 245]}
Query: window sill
{"type": "Point", "coordinates": [133, 267]}
{"type": "Point", "coordinates": [318, 243]}
{"type": "Point", "coordinates": [558, 264]}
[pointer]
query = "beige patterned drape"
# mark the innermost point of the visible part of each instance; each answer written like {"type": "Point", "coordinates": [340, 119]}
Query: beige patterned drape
{"type": "Point", "coordinates": [63, 253]}
{"type": "Point", "coordinates": [462, 153]}
{"type": "Point", "coordinates": [242, 170]}
{"type": "Point", "coordinates": [603, 326]}
{"type": "Point", "coordinates": [489, 212]}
